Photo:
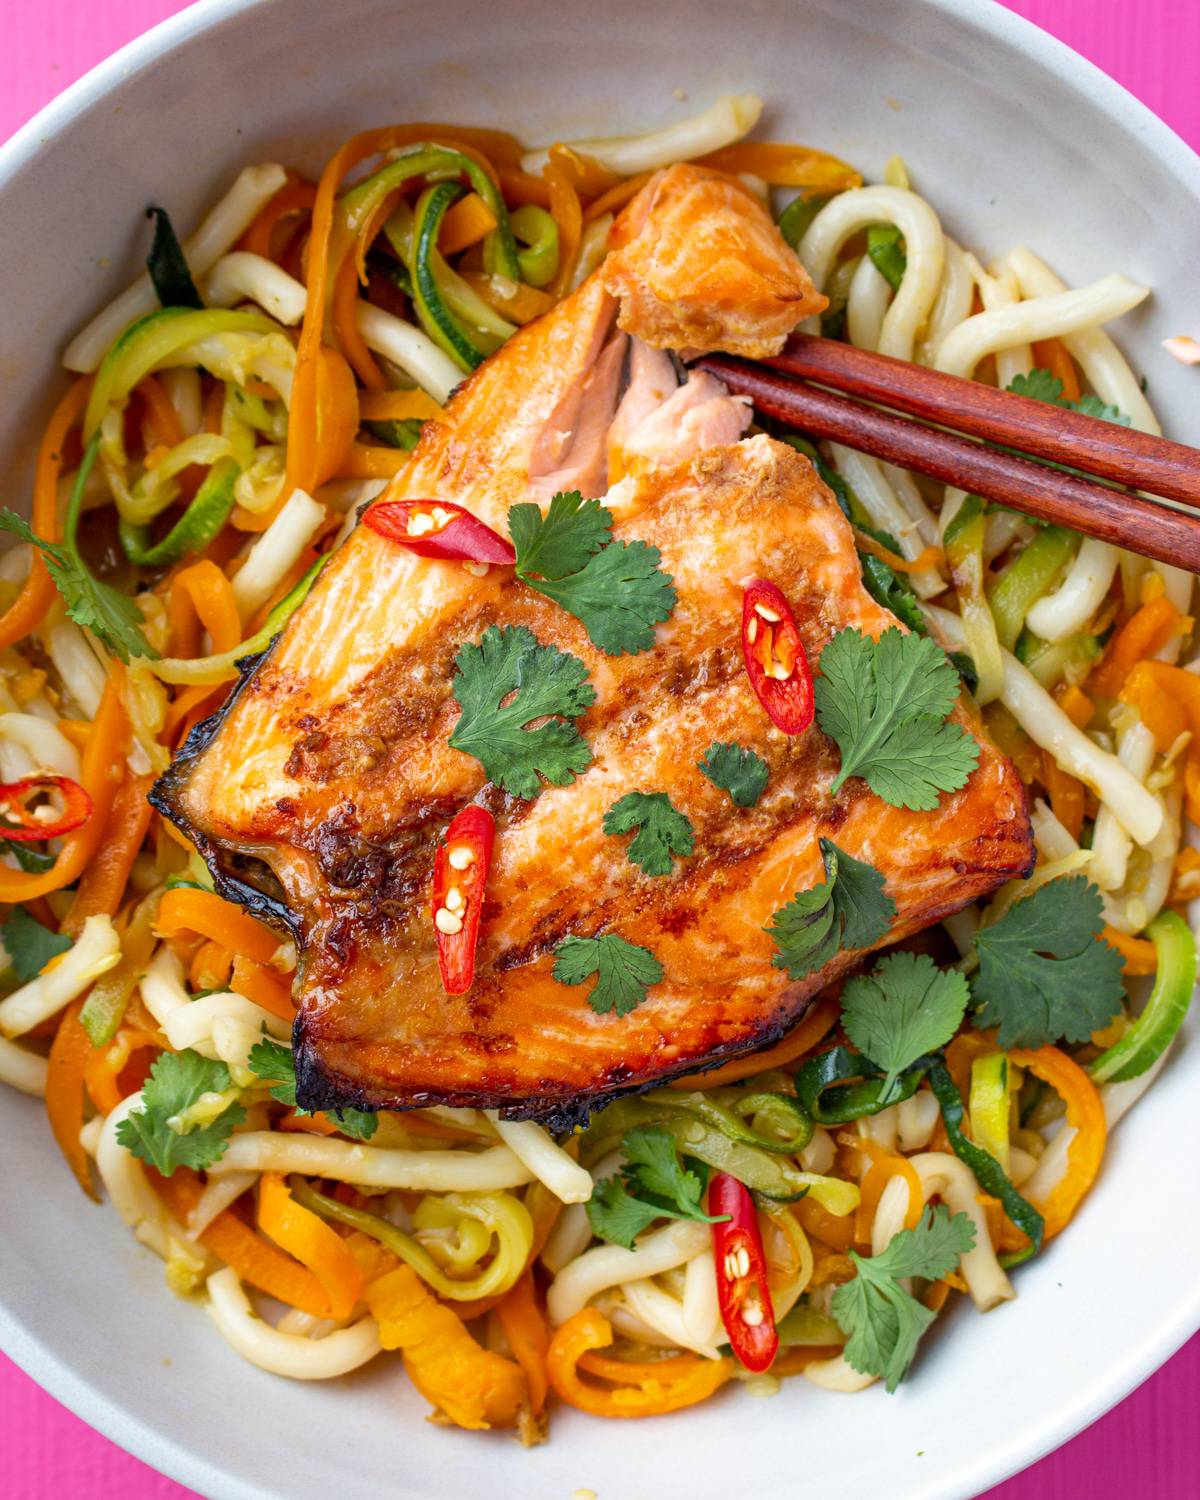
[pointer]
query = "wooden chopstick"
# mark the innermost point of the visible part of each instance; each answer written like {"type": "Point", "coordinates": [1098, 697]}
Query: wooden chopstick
{"type": "Point", "coordinates": [1050, 432]}
{"type": "Point", "coordinates": [1116, 516]}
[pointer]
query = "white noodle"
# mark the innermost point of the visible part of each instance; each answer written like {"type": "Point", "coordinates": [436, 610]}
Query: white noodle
{"type": "Point", "coordinates": [611, 1265]}
{"type": "Point", "coordinates": [701, 1313]}
{"type": "Point", "coordinates": [216, 1197]}
{"type": "Point", "coordinates": [956, 292]}
{"type": "Point", "coordinates": [1079, 595]}
{"type": "Point", "coordinates": [723, 123]}
{"type": "Point", "coordinates": [276, 552]}
{"type": "Point", "coordinates": [593, 247]}
{"type": "Point", "coordinates": [226, 222]}
{"type": "Point", "coordinates": [182, 387]}
{"type": "Point", "coordinates": [818, 1156]}
{"type": "Point", "coordinates": [1139, 811]}
{"type": "Point", "coordinates": [666, 1314]}
{"type": "Point", "coordinates": [162, 986]}
{"type": "Point", "coordinates": [953, 1181]}
{"type": "Point", "coordinates": [372, 1166]}
{"type": "Point", "coordinates": [193, 1025]}
{"type": "Point", "coordinates": [286, 1353]}
{"type": "Point", "coordinates": [75, 662]}
{"type": "Point", "coordinates": [1053, 841]}
{"type": "Point", "coordinates": [867, 479]}
{"type": "Point", "coordinates": [856, 210]}
{"type": "Point", "coordinates": [242, 277]}
{"type": "Point", "coordinates": [916, 1119]}
{"type": "Point", "coordinates": [889, 1214]}
{"type": "Point", "coordinates": [1039, 318]}
{"type": "Point", "coordinates": [549, 1163]}
{"type": "Point", "coordinates": [21, 1069]}
{"type": "Point", "coordinates": [1110, 842]}
{"type": "Point", "coordinates": [93, 953]}
{"type": "Point", "coordinates": [837, 1374]}
{"type": "Point", "coordinates": [46, 746]}
{"type": "Point", "coordinates": [410, 350]}
{"type": "Point", "coordinates": [866, 304]}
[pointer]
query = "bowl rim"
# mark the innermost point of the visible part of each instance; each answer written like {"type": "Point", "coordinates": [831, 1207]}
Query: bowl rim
{"type": "Point", "coordinates": [51, 1369]}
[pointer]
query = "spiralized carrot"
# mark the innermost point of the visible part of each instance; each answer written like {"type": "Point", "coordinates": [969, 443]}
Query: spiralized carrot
{"type": "Point", "coordinates": [465, 223]}
{"type": "Point", "coordinates": [372, 461]}
{"type": "Point", "coordinates": [313, 1242]}
{"type": "Point", "coordinates": [616, 198]}
{"type": "Point", "coordinates": [1139, 954]}
{"type": "Point", "coordinates": [103, 1066]}
{"type": "Point", "coordinates": [37, 594]}
{"type": "Point", "coordinates": [1077, 706]}
{"type": "Point", "coordinates": [1085, 1111]}
{"type": "Point", "coordinates": [1068, 796]}
{"type": "Point", "coordinates": [1051, 354]}
{"type": "Point", "coordinates": [202, 596]}
{"type": "Point", "coordinates": [232, 1240]}
{"type": "Point", "coordinates": [102, 887]}
{"type": "Point", "coordinates": [881, 1173]}
{"type": "Point", "coordinates": [511, 299]}
{"type": "Point", "coordinates": [185, 909]}
{"type": "Point", "coordinates": [528, 1335]}
{"type": "Point", "coordinates": [210, 967]}
{"type": "Point", "coordinates": [929, 557]}
{"type": "Point", "coordinates": [343, 312]}
{"type": "Point", "coordinates": [295, 197]}
{"type": "Point", "coordinates": [69, 1053]}
{"type": "Point", "coordinates": [693, 1379]}
{"type": "Point", "coordinates": [399, 406]}
{"type": "Point", "coordinates": [568, 215]}
{"type": "Point", "coordinates": [1143, 634]}
{"type": "Point", "coordinates": [818, 1020]}
{"type": "Point", "coordinates": [1149, 691]}
{"type": "Point", "coordinates": [264, 987]}
{"type": "Point", "coordinates": [782, 165]}
{"type": "Point", "coordinates": [521, 187]}
{"type": "Point", "coordinates": [102, 773]}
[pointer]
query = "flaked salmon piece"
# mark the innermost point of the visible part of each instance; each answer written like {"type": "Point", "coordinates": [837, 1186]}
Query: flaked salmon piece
{"type": "Point", "coordinates": [660, 422]}
{"type": "Point", "coordinates": [328, 782]}
{"type": "Point", "coordinates": [698, 265]}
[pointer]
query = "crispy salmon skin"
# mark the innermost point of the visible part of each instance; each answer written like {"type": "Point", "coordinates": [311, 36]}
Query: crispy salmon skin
{"type": "Point", "coordinates": [346, 799]}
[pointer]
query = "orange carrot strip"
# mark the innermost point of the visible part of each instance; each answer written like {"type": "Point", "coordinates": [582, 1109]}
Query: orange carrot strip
{"type": "Point", "coordinates": [1143, 634]}
{"type": "Point", "coordinates": [521, 187]}
{"type": "Point", "coordinates": [1158, 708]}
{"type": "Point", "coordinates": [616, 198]}
{"type": "Point", "coordinates": [465, 223]}
{"type": "Point", "coordinates": [211, 967]}
{"type": "Point", "coordinates": [528, 1335]}
{"type": "Point", "coordinates": [264, 987]}
{"type": "Point", "coordinates": [102, 774]}
{"type": "Point", "coordinates": [1067, 795]}
{"type": "Point", "coordinates": [69, 1055]}
{"type": "Point", "coordinates": [1140, 955]}
{"type": "Point", "coordinates": [1077, 706]}
{"type": "Point", "coordinates": [343, 313]}
{"type": "Point", "coordinates": [295, 197]}
{"type": "Point", "coordinates": [589, 1330]}
{"type": "Point", "coordinates": [589, 177]}
{"type": "Point", "coordinates": [1051, 354]}
{"type": "Point", "coordinates": [372, 461]}
{"type": "Point", "coordinates": [818, 1020]}
{"type": "Point", "coordinates": [104, 1065]}
{"type": "Point", "coordinates": [37, 594]}
{"type": "Point", "coordinates": [399, 406]}
{"type": "Point", "coordinates": [1085, 1111]}
{"type": "Point", "coordinates": [568, 215]}
{"type": "Point", "coordinates": [781, 165]}
{"type": "Point", "coordinates": [201, 592]}
{"type": "Point", "coordinates": [930, 557]}
{"type": "Point", "coordinates": [184, 909]}
{"type": "Point", "coordinates": [313, 1242]}
{"type": "Point", "coordinates": [103, 884]}
{"type": "Point", "coordinates": [511, 299]}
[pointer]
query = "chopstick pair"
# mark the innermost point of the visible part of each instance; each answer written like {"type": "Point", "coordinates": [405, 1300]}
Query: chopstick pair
{"type": "Point", "coordinates": [797, 388]}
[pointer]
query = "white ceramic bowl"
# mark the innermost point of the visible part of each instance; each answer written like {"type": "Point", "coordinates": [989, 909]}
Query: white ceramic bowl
{"type": "Point", "coordinates": [1013, 138]}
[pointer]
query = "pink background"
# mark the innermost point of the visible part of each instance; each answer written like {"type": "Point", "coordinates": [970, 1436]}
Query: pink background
{"type": "Point", "coordinates": [1149, 1446]}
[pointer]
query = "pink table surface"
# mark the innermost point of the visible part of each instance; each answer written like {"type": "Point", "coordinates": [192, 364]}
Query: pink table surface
{"type": "Point", "coordinates": [1149, 1446]}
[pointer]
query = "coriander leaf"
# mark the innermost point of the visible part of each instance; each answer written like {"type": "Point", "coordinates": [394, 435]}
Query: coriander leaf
{"type": "Point", "coordinates": [886, 703]}
{"type": "Point", "coordinates": [619, 594]}
{"type": "Point", "coordinates": [624, 971]}
{"type": "Point", "coordinates": [654, 1184]}
{"type": "Point", "coordinates": [739, 771]}
{"type": "Point", "coordinates": [272, 1060]}
{"type": "Point", "coordinates": [179, 1080]}
{"type": "Point", "coordinates": [32, 861]}
{"type": "Point", "coordinates": [849, 910]}
{"type": "Point", "coordinates": [29, 945]}
{"type": "Point", "coordinates": [168, 265]}
{"type": "Point", "coordinates": [882, 1322]}
{"type": "Point", "coordinates": [906, 1008]}
{"type": "Point", "coordinates": [509, 660]}
{"type": "Point", "coordinates": [662, 830]}
{"type": "Point", "coordinates": [892, 592]}
{"type": "Point", "coordinates": [1041, 385]}
{"type": "Point", "coordinates": [561, 541]}
{"type": "Point", "coordinates": [1044, 973]}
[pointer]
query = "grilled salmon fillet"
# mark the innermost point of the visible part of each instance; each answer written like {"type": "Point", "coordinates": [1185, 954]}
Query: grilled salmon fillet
{"type": "Point", "coordinates": [319, 795]}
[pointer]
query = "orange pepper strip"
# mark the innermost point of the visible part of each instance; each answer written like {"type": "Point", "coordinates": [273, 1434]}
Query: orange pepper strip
{"type": "Point", "coordinates": [1184, 688]}
{"type": "Point", "coordinates": [834, 1230]}
{"type": "Point", "coordinates": [568, 215]}
{"type": "Point", "coordinates": [184, 909]}
{"type": "Point", "coordinates": [102, 774]}
{"type": "Point", "coordinates": [314, 1124]}
{"type": "Point", "coordinates": [796, 1360]}
{"type": "Point", "coordinates": [104, 1066]}
{"type": "Point", "coordinates": [210, 967]}
{"type": "Point", "coordinates": [881, 1173]}
{"type": "Point", "coordinates": [465, 223]}
{"type": "Point", "coordinates": [370, 461]}
{"type": "Point", "coordinates": [782, 165]}
{"type": "Point", "coordinates": [1077, 706]}
{"type": "Point", "coordinates": [264, 987]}
{"type": "Point", "coordinates": [1140, 955]}
{"type": "Point", "coordinates": [521, 187]}
{"type": "Point", "coordinates": [37, 594]}
{"type": "Point", "coordinates": [930, 557]}
{"type": "Point", "coordinates": [294, 197]}
{"type": "Point", "coordinates": [312, 1241]}
{"type": "Point", "coordinates": [201, 595]}
{"type": "Point", "coordinates": [616, 198]}
{"type": "Point", "coordinates": [232, 1240]}
{"type": "Point", "coordinates": [69, 1053]}
{"type": "Point", "coordinates": [1085, 1111]}
{"type": "Point", "coordinates": [1068, 796]}
{"type": "Point", "coordinates": [1159, 709]}
{"type": "Point", "coordinates": [343, 313]}
{"type": "Point", "coordinates": [511, 299]}
{"type": "Point", "coordinates": [649, 1397]}
{"type": "Point", "coordinates": [817, 1022]}
{"type": "Point", "coordinates": [103, 884]}
{"type": "Point", "coordinates": [1051, 354]}
{"type": "Point", "coordinates": [528, 1335]}
{"type": "Point", "coordinates": [399, 406]}
{"type": "Point", "coordinates": [936, 1295]}
{"type": "Point", "coordinates": [1143, 634]}
{"type": "Point", "coordinates": [630, 1371]}
{"type": "Point", "coordinates": [962, 1052]}
{"type": "Point", "coordinates": [474, 1387]}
